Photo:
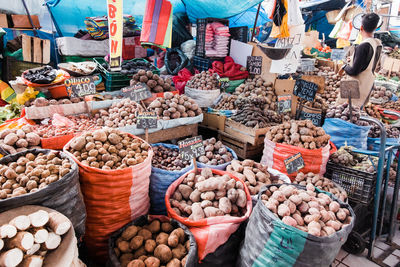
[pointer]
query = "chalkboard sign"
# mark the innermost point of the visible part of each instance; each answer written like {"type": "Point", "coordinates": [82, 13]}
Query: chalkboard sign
{"type": "Point", "coordinates": [224, 83]}
{"type": "Point", "coordinates": [294, 163]}
{"type": "Point", "coordinates": [254, 64]}
{"type": "Point", "coordinates": [316, 118]}
{"type": "Point", "coordinates": [307, 65]}
{"type": "Point", "coordinates": [191, 148]}
{"type": "Point", "coordinates": [80, 86]}
{"type": "Point", "coordinates": [136, 92]}
{"type": "Point", "coordinates": [305, 89]}
{"type": "Point", "coordinates": [349, 88]}
{"type": "Point", "coordinates": [284, 103]}
{"type": "Point", "coordinates": [338, 54]}
{"type": "Point", "coordinates": [146, 120]}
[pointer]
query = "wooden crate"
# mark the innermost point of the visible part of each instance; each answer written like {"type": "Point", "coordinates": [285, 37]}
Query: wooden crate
{"type": "Point", "coordinates": [35, 49]}
{"type": "Point", "coordinates": [214, 121]}
{"type": "Point", "coordinates": [23, 22]}
{"type": "Point", "coordinates": [245, 134]}
{"type": "Point", "coordinates": [3, 21]}
{"type": "Point", "coordinates": [172, 133]}
{"type": "Point", "coordinates": [242, 149]}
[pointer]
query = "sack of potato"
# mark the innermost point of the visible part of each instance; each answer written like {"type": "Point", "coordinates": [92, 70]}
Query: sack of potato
{"type": "Point", "coordinates": [292, 137]}
{"type": "Point", "coordinates": [217, 156]}
{"type": "Point", "coordinates": [203, 88]}
{"type": "Point", "coordinates": [43, 177]}
{"type": "Point", "coordinates": [152, 241]}
{"type": "Point", "coordinates": [114, 170]}
{"type": "Point", "coordinates": [213, 204]}
{"type": "Point", "coordinates": [167, 166]}
{"type": "Point", "coordinates": [299, 226]}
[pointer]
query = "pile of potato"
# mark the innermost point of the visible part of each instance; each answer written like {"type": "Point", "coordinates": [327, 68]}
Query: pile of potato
{"type": "Point", "coordinates": [174, 107]}
{"type": "Point", "coordinates": [17, 140]}
{"type": "Point", "coordinates": [394, 105]}
{"type": "Point", "coordinates": [372, 110]}
{"type": "Point", "coordinates": [253, 174]}
{"type": "Point", "coordinates": [26, 239]}
{"type": "Point", "coordinates": [153, 81]}
{"type": "Point", "coordinates": [79, 123]}
{"type": "Point", "coordinates": [302, 134]}
{"type": "Point", "coordinates": [204, 80]}
{"type": "Point", "coordinates": [254, 117]}
{"type": "Point", "coordinates": [109, 149]}
{"type": "Point", "coordinates": [345, 157]}
{"type": "Point", "coordinates": [391, 132]}
{"type": "Point", "coordinates": [307, 210]}
{"type": "Point", "coordinates": [318, 102]}
{"type": "Point", "coordinates": [332, 84]}
{"type": "Point", "coordinates": [381, 94]}
{"type": "Point", "coordinates": [207, 195]}
{"type": "Point", "coordinates": [120, 114]}
{"type": "Point", "coordinates": [155, 244]}
{"type": "Point", "coordinates": [43, 102]}
{"type": "Point", "coordinates": [32, 172]}
{"type": "Point", "coordinates": [320, 182]}
{"type": "Point", "coordinates": [168, 159]}
{"type": "Point", "coordinates": [227, 102]}
{"type": "Point", "coordinates": [343, 112]}
{"type": "Point", "coordinates": [216, 153]}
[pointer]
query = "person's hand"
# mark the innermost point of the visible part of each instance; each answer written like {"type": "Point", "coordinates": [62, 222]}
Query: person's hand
{"type": "Point", "coordinates": [341, 71]}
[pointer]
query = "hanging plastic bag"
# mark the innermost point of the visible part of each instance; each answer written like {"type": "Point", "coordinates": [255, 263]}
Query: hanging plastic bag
{"type": "Point", "coordinates": [182, 78]}
{"type": "Point", "coordinates": [345, 31]}
{"type": "Point", "coordinates": [294, 13]}
{"type": "Point", "coordinates": [175, 60]}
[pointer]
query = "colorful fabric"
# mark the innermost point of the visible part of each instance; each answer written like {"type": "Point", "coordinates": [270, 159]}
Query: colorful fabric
{"type": "Point", "coordinates": [98, 27]}
{"type": "Point", "coordinates": [229, 69]}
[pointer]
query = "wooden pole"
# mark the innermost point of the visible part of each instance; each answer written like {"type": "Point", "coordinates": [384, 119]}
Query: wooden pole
{"type": "Point", "coordinates": [195, 165]}
{"type": "Point", "coordinates": [146, 134]}
{"type": "Point", "coordinates": [255, 23]}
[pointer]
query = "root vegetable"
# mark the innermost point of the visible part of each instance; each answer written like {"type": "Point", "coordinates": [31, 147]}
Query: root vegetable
{"type": "Point", "coordinates": [163, 253]}
{"type": "Point", "coordinates": [32, 261]}
{"type": "Point", "coordinates": [11, 258]}
{"type": "Point", "coordinates": [39, 218]}
{"type": "Point", "coordinates": [40, 234]}
{"type": "Point", "coordinates": [21, 222]}
{"type": "Point", "coordinates": [22, 240]}
{"type": "Point", "coordinates": [59, 223]}
{"type": "Point", "coordinates": [52, 242]}
{"type": "Point", "coordinates": [7, 231]}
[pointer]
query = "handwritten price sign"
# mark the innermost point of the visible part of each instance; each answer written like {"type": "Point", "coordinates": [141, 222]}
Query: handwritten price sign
{"type": "Point", "coordinates": [191, 148]}
{"type": "Point", "coordinates": [136, 92]}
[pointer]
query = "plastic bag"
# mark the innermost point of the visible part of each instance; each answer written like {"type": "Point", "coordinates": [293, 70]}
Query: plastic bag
{"type": "Point", "coordinates": [191, 260]}
{"type": "Point", "coordinates": [189, 48]}
{"type": "Point", "coordinates": [61, 121]}
{"type": "Point", "coordinates": [160, 180]}
{"type": "Point", "coordinates": [181, 79]}
{"type": "Point", "coordinates": [63, 195]}
{"type": "Point", "coordinates": [270, 242]}
{"type": "Point", "coordinates": [113, 198]}
{"type": "Point", "coordinates": [175, 60]}
{"type": "Point", "coordinates": [346, 133]}
{"type": "Point", "coordinates": [204, 98]}
{"type": "Point", "coordinates": [211, 233]}
{"type": "Point", "coordinates": [315, 160]}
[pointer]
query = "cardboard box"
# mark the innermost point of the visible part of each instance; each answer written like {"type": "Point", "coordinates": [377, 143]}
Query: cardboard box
{"type": "Point", "coordinates": [3, 21]}
{"type": "Point", "coordinates": [266, 64]}
{"type": "Point", "coordinates": [214, 121]}
{"type": "Point", "coordinates": [285, 87]}
{"type": "Point", "coordinates": [22, 22]}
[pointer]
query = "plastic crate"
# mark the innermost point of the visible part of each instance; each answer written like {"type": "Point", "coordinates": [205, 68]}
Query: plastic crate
{"type": "Point", "coordinates": [201, 35]}
{"type": "Point", "coordinates": [13, 68]}
{"type": "Point", "coordinates": [359, 185]}
{"type": "Point", "coordinates": [204, 63]}
{"type": "Point", "coordinates": [240, 33]}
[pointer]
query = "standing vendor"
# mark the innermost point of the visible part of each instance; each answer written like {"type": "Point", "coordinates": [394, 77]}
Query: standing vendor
{"type": "Point", "coordinates": [365, 58]}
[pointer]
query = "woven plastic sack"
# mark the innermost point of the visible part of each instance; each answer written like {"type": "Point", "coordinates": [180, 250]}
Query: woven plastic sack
{"type": "Point", "coordinates": [315, 160]}
{"type": "Point", "coordinates": [204, 98]}
{"type": "Point", "coordinates": [112, 198]}
{"type": "Point", "coordinates": [214, 232]}
{"type": "Point", "coordinates": [221, 167]}
{"type": "Point", "coordinates": [191, 260]}
{"type": "Point", "coordinates": [270, 242]}
{"type": "Point", "coordinates": [63, 195]}
{"type": "Point", "coordinates": [346, 133]}
{"type": "Point", "coordinates": [160, 180]}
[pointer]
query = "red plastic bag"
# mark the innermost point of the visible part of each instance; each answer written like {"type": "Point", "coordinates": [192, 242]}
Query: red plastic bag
{"type": "Point", "coordinates": [112, 198]}
{"type": "Point", "coordinates": [210, 233]}
{"type": "Point", "coordinates": [181, 79]}
{"type": "Point", "coordinates": [315, 160]}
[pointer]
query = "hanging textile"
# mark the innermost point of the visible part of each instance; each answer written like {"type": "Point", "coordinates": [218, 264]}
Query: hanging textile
{"type": "Point", "coordinates": [157, 24]}
{"type": "Point", "coordinates": [280, 17]}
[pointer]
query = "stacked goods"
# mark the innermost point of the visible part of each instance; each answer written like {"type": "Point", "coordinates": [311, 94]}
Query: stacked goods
{"type": "Point", "coordinates": [43, 102]}
{"type": "Point", "coordinates": [391, 132]}
{"type": "Point", "coordinates": [132, 67]}
{"type": "Point", "coordinates": [320, 182]}
{"type": "Point", "coordinates": [154, 244]}
{"type": "Point", "coordinates": [253, 174]}
{"type": "Point", "coordinates": [17, 140]}
{"type": "Point", "coordinates": [175, 107]}
{"type": "Point", "coordinates": [31, 173]}
{"type": "Point", "coordinates": [75, 124]}
{"type": "Point", "coordinates": [217, 40]}
{"type": "Point", "coordinates": [204, 80]}
{"type": "Point", "coordinates": [343, 112]}
{"type": "Point", "coordinates": [108, 149]}
{"type": "Point", "coordinates": [318, 102]}
{"type": "Point", "coordinates": [120, 114]}
{"type": "Point", "coordinates": [216, 153]}
{"type": "Point", "coordinates": [168, 159]}
{"type": "Point", "coordinates": [381, 94]}
{"type": "Point", "coordinates": [302, 134]}
{"type": "Point", "coordinates": [332, 84]}
{"type": "Point", "coordinates": [206, 195]}
{"type": "Point", "coordinates": [254, 117]}
{"type": "Point", "coordinates": [153, 81]}
{"type": "Point", "coordinates": [26, 239]}
{"type": "Point", "coordinates": [307, 210]}
{"type": "Point", "coordinates": [345, 157]}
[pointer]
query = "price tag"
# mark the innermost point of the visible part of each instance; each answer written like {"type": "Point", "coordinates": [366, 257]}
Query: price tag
{"type": "Point", "coordinates": [338, 54]}
{"type": "Point", "coordinates": [284, 104]}
{"type": "Point", "coordinates": [80, 86]}
{"type": "Point", "coordinates": [224, 83]}
{"type": "Point", "coordinates": [305, 89]}
{"type": "Point", "coordinates": [146, 120]}
{"type": "Point", "coordinates": [191, 148]}
{"type": "Point", "coordinates": [294, 163]}
{"type": "Point", "coordinates": [136, 92]}
{"type": "Point", "coordinates": [349, 88]}
{"type": "Point", "coordinates": [307, 65]}
{"type": "Point", "coordinates": [254, 64]}
{"type": "Point", "coordinates": [316, 118]}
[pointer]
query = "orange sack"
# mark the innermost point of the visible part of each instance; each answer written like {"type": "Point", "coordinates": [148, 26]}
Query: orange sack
{"type": "Point", "coordinates": [113, 198]}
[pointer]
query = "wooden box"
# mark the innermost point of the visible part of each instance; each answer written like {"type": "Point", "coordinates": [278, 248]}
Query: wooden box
{"type": "Point", "coordinates": [22, 21]}
{"type": "Point", "coordinates": [245, 134]}
{"type": "Point", "coordinates": [35, 49]}
{"type": "Point", "coordinates": [242, 149]}
{"type": "Point", "coordinates": [3, 21]}
{"type": "Point", "coordinates": [214, 121]}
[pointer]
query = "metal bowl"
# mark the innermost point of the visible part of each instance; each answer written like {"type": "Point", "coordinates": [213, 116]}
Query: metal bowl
{"type": "Point", "coordinates": [274, 53]}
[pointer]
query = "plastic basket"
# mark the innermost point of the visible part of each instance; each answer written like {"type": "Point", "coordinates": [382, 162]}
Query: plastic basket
{"type": "Point", "coordinates": [359, 185]}
{"type": "Point", "coordinates": [203, 64]}
{"type": "Point", "coordinates": [201, 34]}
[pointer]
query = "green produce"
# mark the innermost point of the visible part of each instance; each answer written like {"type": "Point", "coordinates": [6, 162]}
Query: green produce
{"type": "Point", "coordinates": [10, 111]}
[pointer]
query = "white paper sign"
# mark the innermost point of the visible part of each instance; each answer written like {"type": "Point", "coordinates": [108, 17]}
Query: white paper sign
{"type": "Point", "coordinates": [240, 51]}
